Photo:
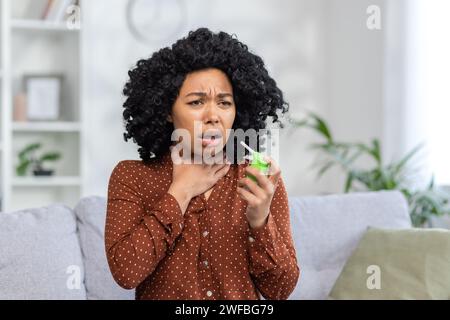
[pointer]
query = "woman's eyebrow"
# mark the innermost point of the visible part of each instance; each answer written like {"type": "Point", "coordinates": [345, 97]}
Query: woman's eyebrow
{"type": "Point", "coordinates": [204, 94]}
{"type": "Point", "coordinates": [223, 95]}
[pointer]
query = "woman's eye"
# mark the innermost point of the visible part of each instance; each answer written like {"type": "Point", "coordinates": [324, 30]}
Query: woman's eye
{"type": "Point", "coordinates": [226, 103]}
{"type": "Point", "coordinates": [195, 103]}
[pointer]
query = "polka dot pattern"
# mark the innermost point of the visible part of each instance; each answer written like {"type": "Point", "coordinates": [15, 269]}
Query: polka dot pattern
{"type": "Point", "coordinates": [209, 253]}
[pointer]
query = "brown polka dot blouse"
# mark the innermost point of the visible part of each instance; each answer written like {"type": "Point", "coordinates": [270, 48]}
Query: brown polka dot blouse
{"type": "Point", "coordinates": [209, 253]}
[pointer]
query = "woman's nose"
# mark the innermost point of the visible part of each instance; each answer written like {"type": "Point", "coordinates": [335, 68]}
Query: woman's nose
{"type": "Point", "coordinates": [211, 115]}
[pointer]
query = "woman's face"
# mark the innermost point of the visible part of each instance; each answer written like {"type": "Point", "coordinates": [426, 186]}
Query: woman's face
{"type": "Point", "coordinates": [205, 108]}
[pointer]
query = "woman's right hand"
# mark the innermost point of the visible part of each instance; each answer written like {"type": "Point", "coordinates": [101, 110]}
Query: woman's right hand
{"type": "Point", "coordinates": [192, 179]}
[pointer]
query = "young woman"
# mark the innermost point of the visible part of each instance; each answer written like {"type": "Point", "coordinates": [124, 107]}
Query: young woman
{"type": "Point", "coordinates": [199, 230]}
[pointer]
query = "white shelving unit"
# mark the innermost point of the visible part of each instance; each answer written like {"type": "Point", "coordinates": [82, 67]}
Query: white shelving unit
{"type": "Point", "coordinates": [59, 126]}
{"type": "Point", "coordinates": [37, 26]}
{"type": "Point", "coordinates": [30, 46]}
{"type": "Point", "coordinates": [46, 181]}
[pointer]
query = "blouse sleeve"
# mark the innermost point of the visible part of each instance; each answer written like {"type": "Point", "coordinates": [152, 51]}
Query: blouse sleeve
{"type": "Point", "coordinates": [273, 261]}
{"type": "Point", "coordinates": [137, 238]}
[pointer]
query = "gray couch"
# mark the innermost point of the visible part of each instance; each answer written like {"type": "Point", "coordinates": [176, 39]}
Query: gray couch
{"type": "Point", "coordinates": [56, 252]}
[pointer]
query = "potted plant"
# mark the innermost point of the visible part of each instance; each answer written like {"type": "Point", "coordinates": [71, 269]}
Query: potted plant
{"type": "Point", "coordinates": [423, 203]}
{"type": "Point", "coordinates": [27, 158]}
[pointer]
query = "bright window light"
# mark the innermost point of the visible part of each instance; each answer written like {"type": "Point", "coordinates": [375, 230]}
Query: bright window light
{"type": "Point", "coordinates": [434, 59]}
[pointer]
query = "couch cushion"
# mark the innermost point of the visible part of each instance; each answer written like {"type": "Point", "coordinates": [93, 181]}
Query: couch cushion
{"type": "Point", "coordinates": [326, 230]}
{"type": "Point", "coordinates": [397, 264]}
{"type": "Point", "coordinates": [40, 257]}
{"type": "Point", "coordinates": [91, 215]}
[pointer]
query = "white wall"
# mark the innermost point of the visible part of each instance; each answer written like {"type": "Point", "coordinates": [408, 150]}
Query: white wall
{"type": "Point", "coordinates": [319, 51]}
{"type": "Point", "coordinates": [354, 65]}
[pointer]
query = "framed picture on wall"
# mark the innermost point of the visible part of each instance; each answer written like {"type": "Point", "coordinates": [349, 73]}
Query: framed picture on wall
{"type": "Point", "coordinates": [43, 96]}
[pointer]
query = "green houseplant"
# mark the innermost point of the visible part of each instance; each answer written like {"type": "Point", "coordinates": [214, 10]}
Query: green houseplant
{"type": "Point", "coordinates": [27, 158]}
{"type": "Point", "coordinates": [423, 203]}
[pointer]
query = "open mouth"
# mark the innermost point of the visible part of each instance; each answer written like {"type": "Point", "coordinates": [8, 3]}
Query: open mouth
{"type": "Point", "coordinates": [211, 138]}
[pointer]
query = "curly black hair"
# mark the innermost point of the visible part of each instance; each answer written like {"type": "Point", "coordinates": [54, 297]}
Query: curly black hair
{"type": "Point", "coordinates": [155, 82]}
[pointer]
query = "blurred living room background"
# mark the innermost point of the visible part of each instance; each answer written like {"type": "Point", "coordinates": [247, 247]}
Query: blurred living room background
{"type": "Point", "coordinates": [374, 71]}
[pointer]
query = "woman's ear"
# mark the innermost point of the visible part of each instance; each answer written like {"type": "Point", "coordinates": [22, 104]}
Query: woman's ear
{"type": "Point", "coordinates": [169, 118]}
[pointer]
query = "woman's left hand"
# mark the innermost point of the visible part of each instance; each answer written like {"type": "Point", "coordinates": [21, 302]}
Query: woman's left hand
{"type": "Point", "coordinates": [259, 195]}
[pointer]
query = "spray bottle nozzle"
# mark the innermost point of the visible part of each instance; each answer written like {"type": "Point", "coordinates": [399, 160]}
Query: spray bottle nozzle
{"type": "Point", "coordinates": [257, 161]}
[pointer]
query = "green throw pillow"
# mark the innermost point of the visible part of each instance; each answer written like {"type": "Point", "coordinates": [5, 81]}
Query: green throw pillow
{"type": "Point", "coordinates": [397, 264]}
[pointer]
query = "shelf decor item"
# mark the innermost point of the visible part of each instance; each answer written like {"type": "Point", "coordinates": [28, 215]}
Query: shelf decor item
{"type": "Point", "coordinates": [28, 158]}
{"type": "Point", "coordinates": [43, 96]}
{"type": "Point", "coordinates": [20, 108]}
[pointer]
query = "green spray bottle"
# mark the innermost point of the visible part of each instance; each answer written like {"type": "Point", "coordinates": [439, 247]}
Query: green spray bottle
{"type": "Point", "coordinates": [258, 162]}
